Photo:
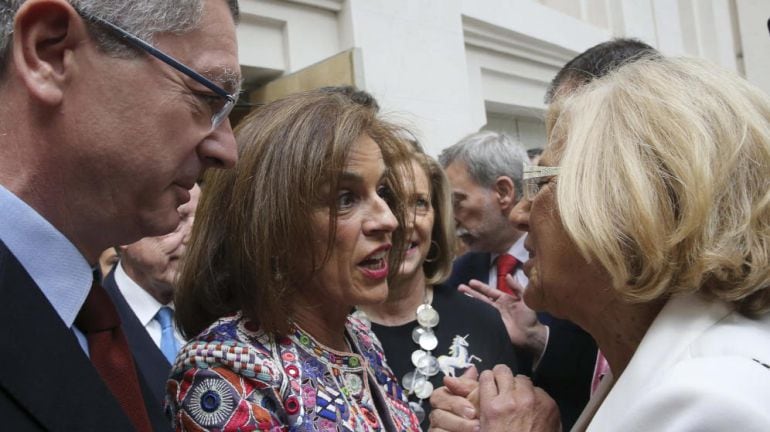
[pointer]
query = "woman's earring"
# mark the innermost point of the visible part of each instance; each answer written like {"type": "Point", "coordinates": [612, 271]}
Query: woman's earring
{"type": "Point", "coordinates": [437, 249]}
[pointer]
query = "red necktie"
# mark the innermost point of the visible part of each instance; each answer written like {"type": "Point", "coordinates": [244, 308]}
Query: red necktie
{"type": "Point", "coordinates": [110, 354]}
{"type": "Point", "coordinates": [506, 263]}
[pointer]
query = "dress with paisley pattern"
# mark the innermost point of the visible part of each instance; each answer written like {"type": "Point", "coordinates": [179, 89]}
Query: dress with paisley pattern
{"type": "Point", "coordinates": [235, 376]}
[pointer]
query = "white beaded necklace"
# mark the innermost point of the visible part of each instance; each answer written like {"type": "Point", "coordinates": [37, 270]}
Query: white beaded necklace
{"type": "Point", "coordinates": [426, 365]}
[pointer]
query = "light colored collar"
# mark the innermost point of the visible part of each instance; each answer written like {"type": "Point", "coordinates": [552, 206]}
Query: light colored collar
{"type": "Point", "coordinates": [516, 250]}
{"type": "Point", "coordinates": [54, 263]}
{"type": "Point", "coordinates": [143, 304]}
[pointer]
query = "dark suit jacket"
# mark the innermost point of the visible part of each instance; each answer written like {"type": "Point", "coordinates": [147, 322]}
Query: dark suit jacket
{"type": "Point", "coordinates": [148, 357]}
{"type": "Point", "coordinates": [566, 369]}
{"type": "Point", "coordinates": [46, 380]}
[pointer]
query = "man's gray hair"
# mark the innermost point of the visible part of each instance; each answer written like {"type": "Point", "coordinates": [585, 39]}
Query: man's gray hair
{"type": "Point", "coordinates": [144, 18]}
{"type": "Point", "coordinates": [487, 156]}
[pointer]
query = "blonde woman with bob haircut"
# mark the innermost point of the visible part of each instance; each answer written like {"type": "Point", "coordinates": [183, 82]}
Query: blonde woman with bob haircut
{"type": "Point", "coordinates": [283, 246]}
{"type": "Point", "coordinates": [649, 226]}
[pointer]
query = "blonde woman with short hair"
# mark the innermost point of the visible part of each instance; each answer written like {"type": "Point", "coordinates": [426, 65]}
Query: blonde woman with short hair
{"type": "Point", "coordinates": [649, 226]}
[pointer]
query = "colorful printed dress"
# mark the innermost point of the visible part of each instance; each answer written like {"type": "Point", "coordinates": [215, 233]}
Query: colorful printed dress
{"type": "Point", "coordinates": [236, 377]}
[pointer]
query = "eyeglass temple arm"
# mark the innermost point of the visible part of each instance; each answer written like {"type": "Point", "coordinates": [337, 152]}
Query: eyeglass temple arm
{"type": "Point", "coordinates": [164, 58]}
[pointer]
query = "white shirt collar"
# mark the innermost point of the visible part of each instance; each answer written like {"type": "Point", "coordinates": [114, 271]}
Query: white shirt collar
{"type": "Point", "coordinates": [516, 250]}
{"type": "Point", "coordinates": [143, 304]}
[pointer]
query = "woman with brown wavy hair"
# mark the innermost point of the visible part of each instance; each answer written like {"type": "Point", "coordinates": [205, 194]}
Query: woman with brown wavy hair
{"type": "Point", "coordinates": [283, 246]}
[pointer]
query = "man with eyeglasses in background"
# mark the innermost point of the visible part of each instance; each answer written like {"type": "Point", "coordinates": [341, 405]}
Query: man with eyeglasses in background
{"type": "Point", "coordinates": [111, 111]}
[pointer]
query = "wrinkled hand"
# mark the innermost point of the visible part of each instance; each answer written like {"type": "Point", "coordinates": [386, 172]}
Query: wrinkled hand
{"type": "Point", "coordinates": [511, 403]}
{"type": "Point", "coordinates": [524, 330]}
{"type": "Point", "coordinates": [451, 411]}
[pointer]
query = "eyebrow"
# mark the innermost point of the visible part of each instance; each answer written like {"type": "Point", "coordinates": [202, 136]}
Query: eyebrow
{"type": "Point", "coordinates": [228, 78]}
{"type": "Point", "coordinates": [350, 177]}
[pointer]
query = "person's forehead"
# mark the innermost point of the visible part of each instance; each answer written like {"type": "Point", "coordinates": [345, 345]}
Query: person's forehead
{"type": "Point", "coordinates": [553, 152]}
{"type": "Point", "coordinates": [547, 159]}
{"type": "Point", "coordinates": [421, 177]}
{"type": "Point", "coordinates": [211, 48]}
{"type": "Point", "coordinates": [457, 172]}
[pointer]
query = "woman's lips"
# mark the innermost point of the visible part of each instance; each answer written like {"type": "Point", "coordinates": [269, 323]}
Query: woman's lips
{"type": "Point", "coordinates": [412, 249]}
{"type": "Point", "coordinates": [375, 266]}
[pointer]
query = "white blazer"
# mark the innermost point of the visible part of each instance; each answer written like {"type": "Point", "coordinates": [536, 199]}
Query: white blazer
{"type": "Point", "coordinates": [700, 367]}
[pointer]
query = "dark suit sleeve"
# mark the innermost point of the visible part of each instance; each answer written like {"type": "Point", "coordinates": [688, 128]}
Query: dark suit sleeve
{"type": "Point", "coordinates": [566, 368]}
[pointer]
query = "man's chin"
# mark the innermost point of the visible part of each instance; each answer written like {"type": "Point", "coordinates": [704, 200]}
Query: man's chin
{"type": "Point", "coordinates": [157, 225]}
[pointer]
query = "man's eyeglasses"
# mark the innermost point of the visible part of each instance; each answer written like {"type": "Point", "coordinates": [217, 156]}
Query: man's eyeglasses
{"type": "Point", "coordinates": [220, 103]}
{"type": "Point", "coordinates": [535, 177]}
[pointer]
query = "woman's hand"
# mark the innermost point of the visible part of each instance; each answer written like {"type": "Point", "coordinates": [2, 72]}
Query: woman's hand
{"type": "Point", "coordinates": [451, 410]}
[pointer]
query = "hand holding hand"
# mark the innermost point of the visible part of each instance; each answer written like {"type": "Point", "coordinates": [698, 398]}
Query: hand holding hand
{"type": "Point", "coordinates": [451, 411]}
{"type": "Point", "coordinates": [511, 403]}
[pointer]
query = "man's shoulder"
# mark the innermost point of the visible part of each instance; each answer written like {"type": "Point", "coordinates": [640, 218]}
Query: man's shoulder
{"type": "Point", "coordinates": [475, 258]}
{"type": "Point", "coordinates": [471, 265]}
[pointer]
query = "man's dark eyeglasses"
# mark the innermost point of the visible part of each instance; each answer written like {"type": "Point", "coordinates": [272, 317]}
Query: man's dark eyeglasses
{"type": "Point", "coordinates": [226, 100]}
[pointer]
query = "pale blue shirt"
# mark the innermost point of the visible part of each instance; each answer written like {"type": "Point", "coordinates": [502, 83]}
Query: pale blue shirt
{"type": "Point", "coordinates": [54, 263]}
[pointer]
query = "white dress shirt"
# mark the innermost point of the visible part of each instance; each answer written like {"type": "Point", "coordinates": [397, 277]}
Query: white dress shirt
{"type": "Point", "coordinates": [144, 306]}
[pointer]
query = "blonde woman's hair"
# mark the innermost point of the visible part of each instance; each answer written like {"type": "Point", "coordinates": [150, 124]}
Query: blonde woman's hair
{"type": "Point", "coordinates": [665, 180]}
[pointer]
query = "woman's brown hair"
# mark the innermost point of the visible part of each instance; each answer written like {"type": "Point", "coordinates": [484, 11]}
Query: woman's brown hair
{"type": "Point", "coordinates": [252, 240]}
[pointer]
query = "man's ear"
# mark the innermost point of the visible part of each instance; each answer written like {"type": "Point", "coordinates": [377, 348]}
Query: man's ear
{"type": "Point", "coordinates": [505, 191]}
{"type": "Point", "coordinates": [45, 33]}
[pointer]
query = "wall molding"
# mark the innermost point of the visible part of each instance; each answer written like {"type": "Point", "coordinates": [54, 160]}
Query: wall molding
{"type": "Point", "coordinates": [332, 5]}
{"type": "Point", "coordinates": [513, 44]}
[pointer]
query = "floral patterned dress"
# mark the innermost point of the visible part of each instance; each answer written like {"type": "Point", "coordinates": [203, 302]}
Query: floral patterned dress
{"type": "Point", "coordinates": [236, 377]}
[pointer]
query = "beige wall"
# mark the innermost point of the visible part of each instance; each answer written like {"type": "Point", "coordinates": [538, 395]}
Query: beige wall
{"type": "Point", "coordinates": [447, 68]}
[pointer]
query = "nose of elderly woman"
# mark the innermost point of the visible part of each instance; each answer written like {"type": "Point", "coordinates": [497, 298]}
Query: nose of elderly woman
{"type": "Point", "coordinates": [519, 215]}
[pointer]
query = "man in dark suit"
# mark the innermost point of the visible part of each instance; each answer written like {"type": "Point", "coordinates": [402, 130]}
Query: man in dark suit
{"type": "Point", "coordinates": [485, 170]}
{"type": "Point", "coordinates": [141, 285]}
{"type": "Point", "coordinates": [101, 137]}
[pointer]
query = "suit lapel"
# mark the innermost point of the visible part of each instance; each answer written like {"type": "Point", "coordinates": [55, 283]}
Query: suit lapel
{"type": "Point", "coordinates": [44, 369]}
